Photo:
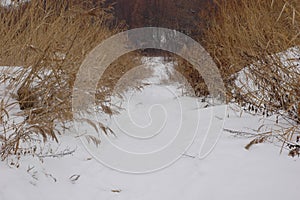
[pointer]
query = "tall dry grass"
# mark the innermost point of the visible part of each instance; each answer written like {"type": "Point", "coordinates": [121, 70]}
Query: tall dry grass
{"type": "Point", "coordinates": [249, 36]}
{"type": "Point", "coordinates": [49, 41]}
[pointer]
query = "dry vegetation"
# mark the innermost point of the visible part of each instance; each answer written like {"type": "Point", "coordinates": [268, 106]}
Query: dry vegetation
{"type": "Point", "coordinates": [50, 41]}
{"type": "Point", "coordinates": [251, 34]}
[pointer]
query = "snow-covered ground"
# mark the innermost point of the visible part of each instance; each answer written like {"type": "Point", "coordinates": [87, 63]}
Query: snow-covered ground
{"type": "Point", "coordinates": [228, 172]}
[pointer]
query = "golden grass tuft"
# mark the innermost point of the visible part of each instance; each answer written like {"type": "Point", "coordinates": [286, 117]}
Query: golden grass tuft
{"type": "Point", "coordinates": [259, 37]}
{"type": "Point", "coordinates": [49, 41]}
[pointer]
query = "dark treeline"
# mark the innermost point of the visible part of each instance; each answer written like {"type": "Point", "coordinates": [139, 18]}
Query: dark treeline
{"type": "Point", "coordinates": [187, 16]}
{"type": "Point", "coordinates": [183, 15]}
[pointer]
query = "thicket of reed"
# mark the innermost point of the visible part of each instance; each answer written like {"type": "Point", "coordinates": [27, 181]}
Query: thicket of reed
{"type": "Point", "coordinates": [49, 40]}
{"type": "Point", "coordinates": [262, 40]}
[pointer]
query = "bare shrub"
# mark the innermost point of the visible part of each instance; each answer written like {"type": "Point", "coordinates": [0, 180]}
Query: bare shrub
{"type": "Point", "coordinates": [192, 75]}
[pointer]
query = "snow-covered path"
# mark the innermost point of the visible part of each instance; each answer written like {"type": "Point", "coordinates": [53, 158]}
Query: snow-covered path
{"type": "Point", "coordinates": [229, 172]}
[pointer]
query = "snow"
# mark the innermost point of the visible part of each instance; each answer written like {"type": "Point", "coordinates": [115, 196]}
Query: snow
{"type": "Point", "coordinates": [5, 2]}
{"type": "Point", "coordinates": [11, 2]}
{"type": "Point", "coordinates": [289, 59]}
{"type": "Point", "coordinates": [158, 111]}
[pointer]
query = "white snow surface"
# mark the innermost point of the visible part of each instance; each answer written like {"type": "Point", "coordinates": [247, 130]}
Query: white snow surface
{"type": "Point", "coordinates": [229, 172]}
